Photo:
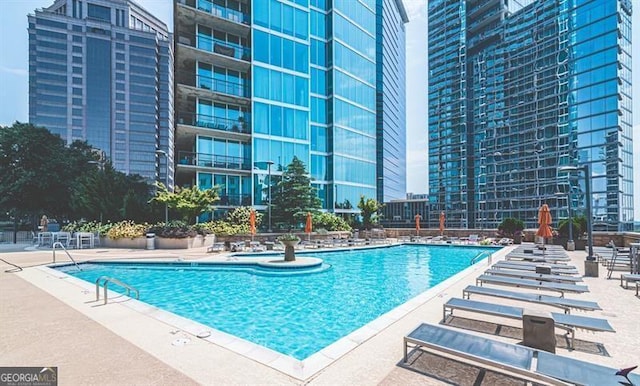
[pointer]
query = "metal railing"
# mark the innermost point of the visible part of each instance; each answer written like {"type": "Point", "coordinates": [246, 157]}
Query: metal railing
{"type": "Point", "coordinates": [217, 10]}
{"type": "Point", "coordinates": [59, 244]}
{"type": "Point", "coordinates": [106, 280]}
{"type": "Point", "coordinates": [223, 86]}
{"type": "Point", "coordinates": [216, 46]}
{"type": "Point", "coordinates": [215, 123]}
{"type": "Point", "coordinates": [213, 161]}
{"type": "Point", "coordinates": [478, 257]}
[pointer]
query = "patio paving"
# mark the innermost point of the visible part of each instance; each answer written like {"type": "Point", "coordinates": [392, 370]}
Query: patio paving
{"type": "Point", "coordinates": [91, 345]}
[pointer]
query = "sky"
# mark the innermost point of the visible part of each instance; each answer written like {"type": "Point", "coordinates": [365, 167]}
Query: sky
{"type": "Point", "coordinates": [14, 77]}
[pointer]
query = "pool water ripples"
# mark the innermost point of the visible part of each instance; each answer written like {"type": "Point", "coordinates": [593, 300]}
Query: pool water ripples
{"type": "Point", "coordinates": [296, 315]}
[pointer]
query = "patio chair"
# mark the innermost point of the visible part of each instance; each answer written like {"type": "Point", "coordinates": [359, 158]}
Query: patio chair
{"type": "Point", "coordinates": [505, 241]}
{"type": "Point", "coordinates": [533, 275]}
{"type": "Point", "coordinates": [548, 300]}
{"type": "Point", "coordinates": [526, 283]}
{"type": "Point", "coordinates": [567, 322]}
{"type": "Point", "coordinates": [512, 359]}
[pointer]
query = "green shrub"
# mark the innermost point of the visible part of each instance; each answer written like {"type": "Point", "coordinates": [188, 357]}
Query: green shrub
{"type": "Point", "coordinates": [330, 222]}
{"type": "Point", "coordinates": [240, 216]}
{"type": "Point", "coordinates": [510, 226]}
{"type": "Point", "coordinates": [223, 228]}
{"type": "Point", "coordinates": [91, 226]}
{"type": "Point", "coordinates": [127, 229]}
{"type": "Point", "coordinates": [173, 230]}
{"type": "Point", "coordinates": [579, 226]}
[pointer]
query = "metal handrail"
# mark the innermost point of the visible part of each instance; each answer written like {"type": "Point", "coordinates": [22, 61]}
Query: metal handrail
{"type": "Point", "coordinates": [105, 285]}
{"type": "Point", "coordinates": [57, 243]}
{"type": "Point", "coordinates": [476, 258]}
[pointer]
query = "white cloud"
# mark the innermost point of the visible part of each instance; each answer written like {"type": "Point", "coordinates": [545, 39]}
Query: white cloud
{"type": "Point", "coordinates": [416, 9]}
{"type": "Point", "coordinates": [14, 71]}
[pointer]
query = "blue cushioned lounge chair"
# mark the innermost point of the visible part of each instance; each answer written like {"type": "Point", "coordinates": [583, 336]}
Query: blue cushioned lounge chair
{"type": "Point", "coordinates": [520, 361]}
{"type": "Point", "coordinates": [567, 322]}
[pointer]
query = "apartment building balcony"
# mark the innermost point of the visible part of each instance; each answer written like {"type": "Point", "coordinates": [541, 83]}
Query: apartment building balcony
{"type": "Point", "coordinates": [208, 123]}
{"type": "Point", "coordinates": [215, 163]}
{"type": "Point", "coordinates": [207, 13]}
{"type": "Point", "coordinates": [191, 86]}
{"type": "Point", "coordinates": [192, 48]}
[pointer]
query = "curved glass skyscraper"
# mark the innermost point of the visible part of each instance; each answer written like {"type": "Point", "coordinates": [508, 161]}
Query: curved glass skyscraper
{"type": "Point", "coordinates": [517, 90]}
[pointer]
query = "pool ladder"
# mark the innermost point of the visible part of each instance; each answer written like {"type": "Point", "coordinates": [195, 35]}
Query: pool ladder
{"type": "Point", "coordinates": [478, 256]}
{"type": "Point", "coordinates": [106, 280]}
{"type": "Point", "coordinates": [59, 244]}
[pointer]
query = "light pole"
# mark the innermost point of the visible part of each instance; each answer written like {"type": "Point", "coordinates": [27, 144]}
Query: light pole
{"type": "Point", "coordinates": [571, 246]}
{"type": "Point", "coordinates": [166, 181]}
{"type": "Point", "coordinates": [100, 164]}
{"type": "Point", "coordinates": [591, 266]}
{"type": "Point", "coordinates": [269, 163]}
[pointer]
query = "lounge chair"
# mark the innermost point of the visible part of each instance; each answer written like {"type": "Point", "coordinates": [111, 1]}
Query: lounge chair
{"type": "Point", "coordinates": [565, 321]}
{"type": "Point", "coordinates": [627, 277]}
{"type": "Point", "coordinates": [505, 241]}
{"type": "Point", "coordinates": [538, 258]}
{"type": "Point", "coordinates": [533, 275]}
{"type": "Point", "coordinates": [526, 283]}
{"type": "Point", "coordinates": [216, 247]}
{"type": "Point", "coordinates": [557, 269]}
{"type": "Point", "coordinates": [548, 300]}
{"type": "Point", "coordinates": [510, 358]}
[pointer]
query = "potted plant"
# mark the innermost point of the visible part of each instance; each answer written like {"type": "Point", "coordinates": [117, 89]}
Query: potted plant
{"type": "Point", "coordinates": [289, 240]}
{"type": "Point", "coordinates": [512, 228]}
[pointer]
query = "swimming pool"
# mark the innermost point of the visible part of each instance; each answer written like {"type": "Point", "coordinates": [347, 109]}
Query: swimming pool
{"type": "Point", "coordinates": [298, 314]}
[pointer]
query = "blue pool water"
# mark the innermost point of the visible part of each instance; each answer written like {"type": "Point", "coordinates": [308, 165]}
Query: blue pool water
{"type": "Point", "coordinates": [296, 315]}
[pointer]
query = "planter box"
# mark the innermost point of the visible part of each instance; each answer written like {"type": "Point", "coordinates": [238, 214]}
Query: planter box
{"type": "Point", "coordinates": [185, 243]}
{"type": "Point", "coordinates": [137, 243]}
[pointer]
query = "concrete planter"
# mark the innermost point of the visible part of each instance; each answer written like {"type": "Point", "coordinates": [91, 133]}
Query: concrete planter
{"type": "Point", "coordinates": [289, 249]}
{"type": "Point", "coordinates": [185, 243]}
{"type": "Point", "coordinates": [125, 243]}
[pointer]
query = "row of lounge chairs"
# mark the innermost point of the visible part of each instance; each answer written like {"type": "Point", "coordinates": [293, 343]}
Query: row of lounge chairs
{"type": "Point", "coordinates": [534, 270]}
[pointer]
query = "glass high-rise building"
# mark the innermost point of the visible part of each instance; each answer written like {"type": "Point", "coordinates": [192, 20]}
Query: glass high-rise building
{"type": "Point", "coordinates": [101, 71]}
{"type": "Point", "coordinates": [259, 82]}
{"type": "Point", "coordinates": [517, 91]}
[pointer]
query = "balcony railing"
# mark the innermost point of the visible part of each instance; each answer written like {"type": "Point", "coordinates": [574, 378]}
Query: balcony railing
{"type": "Point", "coordinates": [217, 46]}
{"type": "Point", "coordinates": [215, 123]}
{"type": "Point", "coordinates": [223, 86]}
{"type": "Point", "coordinates": [234, 200]}
{"type": "Point", "coordinates": [213, 161]}
{"type": "Point", "coordinates": [217, 10]}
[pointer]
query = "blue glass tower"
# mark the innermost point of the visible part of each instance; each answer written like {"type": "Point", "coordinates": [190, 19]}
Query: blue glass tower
{"type": "Point", "coordinates": [101, 71]}
{"type": "Point", "coordinates": [517, 90]}
{"type": "Point", "coordinates": [259, 82]}
{"type": "Point", "coordinates": [391, 100]}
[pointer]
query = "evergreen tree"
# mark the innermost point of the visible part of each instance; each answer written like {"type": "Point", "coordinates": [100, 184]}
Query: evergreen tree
{"type": "Point", "coordinates": [369, 209]}
{"type": "Point", "coordinates": [293, 196]}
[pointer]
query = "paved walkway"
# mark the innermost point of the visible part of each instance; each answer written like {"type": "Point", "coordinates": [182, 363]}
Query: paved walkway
{"type": "Point", "coordinates": [37, 329]}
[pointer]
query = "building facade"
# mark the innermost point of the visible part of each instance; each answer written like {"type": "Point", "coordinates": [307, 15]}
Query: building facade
{"type": "Point", "coordinates": [101, 71]}
{"type": "Point", "coordinates": [519, 92]}
{"type": "Point", "coordinates": [259, 82]}
{"type": "Point", "coordinates": [391, 100]}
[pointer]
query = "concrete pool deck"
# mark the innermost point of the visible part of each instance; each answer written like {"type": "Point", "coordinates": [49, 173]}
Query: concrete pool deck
{"type": "Point", "coordinates": [45, 321]}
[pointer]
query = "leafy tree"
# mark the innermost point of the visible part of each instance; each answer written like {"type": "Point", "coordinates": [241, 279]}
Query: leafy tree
{"type": "Point", "coordinates": [37, 171]}
{"type": "Point", "coordinates": [106, 194]}
{"type": "Point", "coordinates": [189, 202]}
{"type": "Point", "coordinates": [240, 216]}
{"type": "Point", "coordinates": [579, 226]}
{"type": "Point", "coordinates": [510, 227]}
{"type": "Point", "coordinates": [293, 195]}
{"type": "Point", "coordinates": [369, 209]}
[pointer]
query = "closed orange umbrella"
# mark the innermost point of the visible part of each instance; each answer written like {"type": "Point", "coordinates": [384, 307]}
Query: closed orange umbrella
{"type": "Point", "coordinates": [418, 218]}
{"type": "Point", "coordinates": [544, 219]}
{"type": "Point", "coordinates": [252, 222]}
{"type": "Point", "coordinates": [308, 227]}
{"type": "Point", "coordinates": [442, 223]}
